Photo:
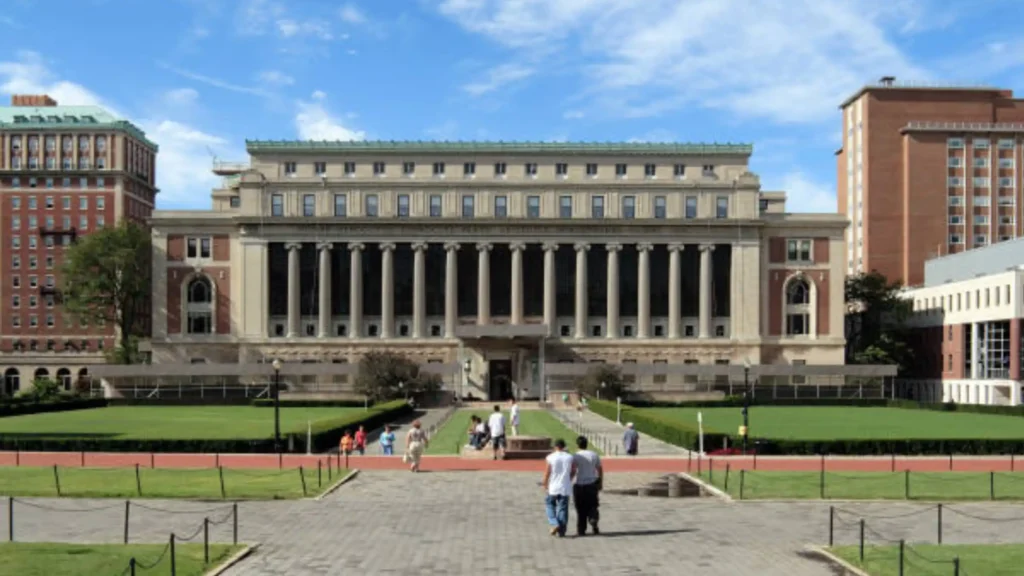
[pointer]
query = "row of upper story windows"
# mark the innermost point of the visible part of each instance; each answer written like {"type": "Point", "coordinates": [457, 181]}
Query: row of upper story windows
{"type": "Point", "coordinates": [371, 206]}
{"type": "Point", "coordinates": [979, 182]}
{"type": "Point", "coordinates": [67, 143]}
{"type": "Point", "coordinates": [48, 223]}
{"type": "Point", "coordinates": [979, 298]}
{"type": "Point", "coordinates": [50, 202]}
{"type": "Point", "coordinates": [980, 162]}
{"type": "Point", "coordinates": [33, 241]}
{"type": "Point", "coordinates": [65, 182]}
{"type": "Point", "coordinates": [980, 143]}
{"type": "Point", "coordinates": [67, 163]}
{"type": "Point", "coordinates": [500, 169]}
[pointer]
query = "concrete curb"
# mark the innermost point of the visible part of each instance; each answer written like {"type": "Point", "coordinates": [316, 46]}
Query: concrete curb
{"type": "Point", "coordinates": [850, 569]}
{"type": "Point", "coordinates": [230, 562]}
{"type": "Point", "coordinates": [330, 490]}
{"type": "Point", "coordinates": [715, 492]}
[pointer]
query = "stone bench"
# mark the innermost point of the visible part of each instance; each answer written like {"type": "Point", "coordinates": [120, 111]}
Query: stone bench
{"type": "Point", "coordinates": [519, 448]}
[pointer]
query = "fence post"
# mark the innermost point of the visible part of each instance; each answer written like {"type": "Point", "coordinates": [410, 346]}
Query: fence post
{"type": "Point", "coordinates": [893, 460]}
{"type": "Point", "coordinates": [10, 518]}
{"type": "Point", "coordinates": [319, 474]}
{"type": "Point", "coordinates": [711, 470]}
{"type": "Point", "coordinates": [831, 525]}
{"type": "Point", "coordinates": [940, 523]}
{"type": "Point", "coordinates": [902, 546]}
{"type": "Point", "coordinates": [951, 461]}
{"type": "Point", "coordinates": [56, 479]}
{"type": "Point", "coordinates": [992, 485]}
{"type": "Point", "coordinates": [131, 565]}
{"type": "Point", "coordinates": [726, 484]}
{"type": "Point", "coordinates": [152, 460]}
{"type": "Point", "coordinates": [138, 479]}
{"type": "Point", "coordinates": [127, 513]}
{"type": "Point", "coordinates": [302, 477]}
{"type": "Point", "coordinates": [906, 484]}
{"type": "Point", "coordinates": [755, 456]}
{"type": "Point", "coordinates": [223, 492]}
{"type": "Point", "coordinates": [956, 566]}
{"type": "Point", "coordinates": [742, 476]}
{"type": "Point", "coordinates": [862, 541]}
{"type": "Point", "coordinates": [821, 479]}
{"type": "Point", "coordinates": [280, 460]}
{"type": "Point", "coordinates": [699, 458]}
{"type": "Point", "coordinates": [330, 469]}
{"type": "Point", "coordinates": [689, 460]}
{"type": "Point", "coordinates": [174, 563]}
{"type": "Point", "coordinates": [1013, 457]}
{"type": "Point", "coordinates": [234, 522]}
{"type": "Point", "coordinates": [206, 541]}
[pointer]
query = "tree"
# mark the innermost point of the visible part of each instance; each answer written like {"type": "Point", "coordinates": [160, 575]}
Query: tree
{"type": "Point", "coordinates": [106, 279]}
{"type": "Point", "coordinates": [876, 321]}
{"type": "Point", "coordinates": [603, 378]}
{"type": "Point", "coordinates": [380, 374]}
{"type": "Point", "coordinates": [43, 390]}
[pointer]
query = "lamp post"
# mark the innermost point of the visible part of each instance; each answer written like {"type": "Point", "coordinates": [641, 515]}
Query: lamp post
{"type": "Point", "coordinates": [745, 429]}
{"type": "Point", "coordinates": [277, 405]}
{"type": "Point", "coordinates": [467, 366]}
{"type": "Point", "coordinates": [401, 390]}
{"type": "Point", "coordinates": [603, 386]}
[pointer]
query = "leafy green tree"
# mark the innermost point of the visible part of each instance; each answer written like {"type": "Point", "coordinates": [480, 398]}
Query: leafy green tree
{"type": "Point", "coordinates": [387, 376]}
{"type": "Point", "coordinates": [106, 279]}
{"type": "Point", "coordinates": [604, 378]}
{"type": "Point", "coordinates": [876, 330]}
{"type": "Point", "coordinates": [43, 389]}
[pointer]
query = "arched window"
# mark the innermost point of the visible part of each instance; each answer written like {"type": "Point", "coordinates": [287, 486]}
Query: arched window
{"type": "Point", "coordinates": [199, 306]}
{"type": "Point", "coordinates": [64, 377]}
{"type": "Point", "coordinates": [41, 374]}
{"type": "Point", "coordinates": [798, 307]}
{"type": "Point", "coordinates": [12, 381]}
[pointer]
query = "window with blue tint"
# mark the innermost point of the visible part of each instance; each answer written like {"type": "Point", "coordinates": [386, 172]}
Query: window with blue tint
{"type": "Point", "coordinates": [565, 207]}
{"type": "Point", "coordinates": [722, 207]}
{"type": "Point", "coordinates": [435, 206]}
{"type": "Point", "coordinates": [372, 206]}
{"type": "Point", "coordinates": [308, 205]}
{"type": "Point", "coordinates": [276, 205]}
{"type": "Point", "coordinates": [691, 207]}
{"type": "Point", "coordinates": [468, 206]}
{"type": "Point", "coordinates": [340, 205]}
{"type": "Point", "coordinates": [629, 207]}
{"type": "Point", "coordinates": [659, 207]}
{"type": "Point", "coordinates": [597, 207]}
{"type": "Point", "coordinates": [403, 205]}
{"type": "Point", "coordinates": [501, 206]}
{"type": "Point", "coordinates": [533, 206]}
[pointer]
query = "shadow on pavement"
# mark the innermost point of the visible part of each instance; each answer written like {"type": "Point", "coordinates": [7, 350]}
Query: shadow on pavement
{"type": "Point", "coordinates": [624, 533]}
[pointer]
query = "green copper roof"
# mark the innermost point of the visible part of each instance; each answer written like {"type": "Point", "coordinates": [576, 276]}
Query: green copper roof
{"type": "Point", "coordinates": [495, 147]}
{"type": "Point", "coordinates": [64, 117]}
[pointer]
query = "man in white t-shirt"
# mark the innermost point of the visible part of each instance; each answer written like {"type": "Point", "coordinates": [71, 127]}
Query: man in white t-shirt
{"type": "Point", "coordinates": [558, 473]}
{"type": "Point", "coordinates": [513, 416]}
{"type": "Point", "coordinates": [496, 423]}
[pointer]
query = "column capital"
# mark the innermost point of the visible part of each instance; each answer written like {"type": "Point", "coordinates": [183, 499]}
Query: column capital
{"type": "Point", "coordinates": [707, 247]}
{"type": "Point", "coordinates": [387, 246]}
{"type": "Point", "coordinates": [451, 246]}
{"type": "Point", "coordinates": [644, 247]}
{"type": "Point", "coordinates": [419, 246]}
{"type": "Point", "coordinates": [550, 246]}
{"type": "Point", "coordinates": [581, 246]}
{"type": "Point", "coordinates": [484, 246]}
{"type": "Point", "coordinates": [354, 246]}
{"type": "Point", "coordinates": [293, 246]}
{"type": "Point", "coordinates": [325, 246]}
{"type": "Point", "coordinates": [613, 247]}
{"type": "Point", "coordinates": [677, 247]}
{"type": "Point", "coordinates": [517, 246]}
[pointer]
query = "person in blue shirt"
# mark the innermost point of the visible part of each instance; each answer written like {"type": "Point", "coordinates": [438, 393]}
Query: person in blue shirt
{"type": "Point", "coordinates": [387, 441]}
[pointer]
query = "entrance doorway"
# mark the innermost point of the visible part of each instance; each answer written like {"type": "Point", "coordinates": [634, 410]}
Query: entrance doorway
{"type": "Point", "coordinates": [500, 380]}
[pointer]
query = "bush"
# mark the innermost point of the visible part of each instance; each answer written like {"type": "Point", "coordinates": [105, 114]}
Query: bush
{"type": "Point", "coordinates": [26, 406]}
{"type": "Point", "coordinates": [269, 403]}
{"type": "Point", "coordinates": [601, 380]}
{"type": "Point", "coordinates": [388, 376]}
{"type": "Point", "coordinates": [660, 427]}
{"type": "Point", "coordinates": [42, 390]}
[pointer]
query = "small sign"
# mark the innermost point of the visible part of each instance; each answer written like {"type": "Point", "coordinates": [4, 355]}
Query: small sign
{"type": "Point", "coordinates": [700, 417]}
{"type": "Point", "coordinates": [743, 430]}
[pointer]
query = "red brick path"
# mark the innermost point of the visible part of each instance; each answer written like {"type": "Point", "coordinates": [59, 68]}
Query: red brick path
{"type": "Point", "coordinates": [454, 463]}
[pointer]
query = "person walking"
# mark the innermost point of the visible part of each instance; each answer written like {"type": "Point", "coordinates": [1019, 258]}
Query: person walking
{"type": "Point", "coordinates": [631, 440]}
{"type": "Point", "coordinates": [387, 441]}
{"type": "Point", "coordinates": [496, 426]}
{"type": "Point", "coordinates": [587, 484]}
{"type": "Point", "coordinates": [415, 442]}
{"type": "Point", "coordinates": [361, 440]}
{"type": "Point", "coordinates": [514, 417]}
{"type": "Point", "coordinates": [559, 470]}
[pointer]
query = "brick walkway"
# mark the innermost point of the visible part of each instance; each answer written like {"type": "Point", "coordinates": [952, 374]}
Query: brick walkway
{"type": "Point", "coordinates": [461, 523]}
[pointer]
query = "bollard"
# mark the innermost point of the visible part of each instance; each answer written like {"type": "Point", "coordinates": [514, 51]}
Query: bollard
{"type": "Point", "coordinates": [755, 457]}
{"type": "Point", "coordinates": [319, 474]}
{"type": "Point", "coordinates": [893, 460]}
{"type": "Point", "coordinates": [174, 563]}
{"type": "Point", "coordinates": [83, 458]}
{"type": "Point", "coordinates": [131, 566]}
{"type": "Point", "coordinates": [10, 518]}
{"type": "Point", "coordinates": [127, 513]}
{"type": "Point", "coordinates": [991, 485]}
{"type": "Point", "coordinates": [902, 546]}
{"type": "Point", "coordinates": [223, 493]}
{"type": "Point", "coordinates": [152, 460]}
{"type": "Point", "coordinates": [906, 484]}
{"type": "Point", "coordinates": [280, 461]}
{"type": "Point", "coordinates": [831, 525]}
{"type": "Point", "coordinates": [234, 527]}
{"type": "Point", "coordinates": [940, 524]}
{"type": "Point", "coordinates": [956, 566]}
{"type": "Point", "coordinates": [56, 479]}
{"type": "Point", "coordinates": [138, 480]}
{"type": "Point", "coordinates": [346, 462]}
{"type": "Point", "coordinates": [1013, 457]}
{"type": "Point", "coordinates": [821, 480]}
{"type": "Point", "coordinates": [689, 461]}
{"type": "Point", "coordinates": [743, 474]}
{"type": "Point", "coordinates": [330, 470]}
{"type": "Point", "coordinates": [725, 485]}
{"type": "Point", "coordinates": [302, 477]}
{"type": "Point", "coordinates": [711, 470]}
{"type": "Point", "coordinates": [862, 541]}
{"type": "Point", "coordinates": [206, 541]}
{"type": "Point", "coordinates": [951, 461]}
{"type": "Point", "coordinates": [675, 486]}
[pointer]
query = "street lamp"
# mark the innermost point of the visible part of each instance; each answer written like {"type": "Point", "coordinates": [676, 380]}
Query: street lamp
{"type": "Point", "coordinates": [467, 367]}
{"type": "Point", "coordinates": [745, 429]}
{"type": "Point", "coordinates": [603, 386]}
{"type": "Point", "coordinates": [277, 404]}
{"type": "Point", "coordinates": [401, 390]}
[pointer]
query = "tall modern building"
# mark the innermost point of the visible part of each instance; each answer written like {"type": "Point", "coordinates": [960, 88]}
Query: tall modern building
{"type": "Point", "coordinates": [491, 254]}
{"type": "Point", "coordinates": [65, 171]}
{"type": "Point", "coordinates": [927, 171]}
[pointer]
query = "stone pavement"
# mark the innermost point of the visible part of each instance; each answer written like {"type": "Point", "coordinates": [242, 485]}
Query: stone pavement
{"type": "Point", "coordinates": [428, 419]}
{"type": "Point", "coordinates": [493, 523]}
{"type": "Point", "coordinates": [609, 434]}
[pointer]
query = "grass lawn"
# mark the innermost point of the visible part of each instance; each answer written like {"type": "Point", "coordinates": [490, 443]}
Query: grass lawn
{"type": "Point", "coordinates": [845, 422]}
{"type": "Point", "coordinates": [87, 559]}
{"type": "Point", "coordinates": [987, 559]}
{"type": "Point", "coordinates": [164, 483]}
{"type": "Point", "coordinates": [944, 486]}
{"type": "Point", "coordinates": [169, 422]}
{"type": "Point", "coordinates": [452, 436]}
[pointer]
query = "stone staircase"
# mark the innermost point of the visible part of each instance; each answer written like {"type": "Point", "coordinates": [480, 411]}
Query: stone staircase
{"type": "Point", "coordinates": [658, 485]}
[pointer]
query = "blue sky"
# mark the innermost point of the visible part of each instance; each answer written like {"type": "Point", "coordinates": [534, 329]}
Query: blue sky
{"type": "Point", "coordinates": [201, 76]}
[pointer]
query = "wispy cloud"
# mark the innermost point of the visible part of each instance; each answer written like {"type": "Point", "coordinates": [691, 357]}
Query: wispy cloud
{"type": "Point", "coordinates": [261, 17]}
{"type": "Point", "coordinates": [216, 82]}
{"type": "Point", "coordinates": [314, 121]}
{"type": "Point", "coordinates": [498, 77]}
{"type": "Point", "coordinates": [275, 78]}
{"type": "Point", "coordinates": [352, 14]}
{"type": "Point", "coordinates": [288, 28]}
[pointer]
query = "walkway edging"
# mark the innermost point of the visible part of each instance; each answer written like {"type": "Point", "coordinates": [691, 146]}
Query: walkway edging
{"type": "Point", "coordinates": [337, 485]}
{"type": "Point", "coordinates": [715, 492]}
{"type": "Point", "coordinates": [850, 568]}
{"type": "Point", "coordinates": [235, 559]}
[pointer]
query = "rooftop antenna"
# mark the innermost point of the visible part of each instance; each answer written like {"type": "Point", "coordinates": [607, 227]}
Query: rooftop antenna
{"type": "Point", "coordinates": [887, 81]}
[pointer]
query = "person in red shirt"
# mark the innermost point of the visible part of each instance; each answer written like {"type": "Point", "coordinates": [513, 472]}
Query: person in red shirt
{"type": "Point", "coordinates": [361, 440]}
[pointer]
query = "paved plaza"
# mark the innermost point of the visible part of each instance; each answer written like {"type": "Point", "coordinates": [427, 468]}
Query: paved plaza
{"type": "Point", "coordinates": [492, 523]}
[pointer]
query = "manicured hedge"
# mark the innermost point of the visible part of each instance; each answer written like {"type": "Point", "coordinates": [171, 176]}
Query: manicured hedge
{"type": "Point", "coordinates": [269, 403]}
{"type": "Point", "coordinates": [905, 447]}
{"type": "Point", "coordinates": [737, 401]}
{"type": "Point", "coordinates": [18, 407]}
{"type": "Point", "coordinates": [660, 427]}
{"type": "Point", "coordinates": [325, 435]}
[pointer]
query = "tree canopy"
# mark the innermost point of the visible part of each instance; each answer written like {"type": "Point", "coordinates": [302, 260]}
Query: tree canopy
{"type": "Point", "coordinates": [387, 376]}
{"type": "Point", "coordinates": [604, 378]}
{"type": "Point", "coordinates": [106, 279]}
{"type": "Point", "coordinates": [876, 321]}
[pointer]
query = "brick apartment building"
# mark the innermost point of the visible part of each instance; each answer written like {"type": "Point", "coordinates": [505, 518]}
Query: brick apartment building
{"type": "Point", "coordinates": [927, 171]}
{"type": "Point", "coordinates": [65, 171]}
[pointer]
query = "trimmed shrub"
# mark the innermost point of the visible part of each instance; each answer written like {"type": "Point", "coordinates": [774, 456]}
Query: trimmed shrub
{"type": "Point", "coordinates": [269, 403]}
{"type": "Point", "coordinates": [24, 407]}
{"type": "Point", "coordinates": [660, 427]}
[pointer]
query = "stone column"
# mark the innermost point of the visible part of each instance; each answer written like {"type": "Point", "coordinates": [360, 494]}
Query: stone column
{"type": "Point", "coordinates": [581, 289]}
{"type": "Point", "coordinates": [612, 321]}
{"type": "Point", "coordinates": [550, 307]}
{"type": "Point", "coordinates": [355, 295]}
{"type": "Point", "coordinates": [451, 289]}
{"type": "Point", "coordinates": [387, 284]}
{"type": "Point", "coordinates": [674, 290]}
{"type": "Point", "coordinates": [419, 289]}
{"type": "Point", "coordinates": [324, 328]}
{"type": "Point", "coordinates": [517, 249]}
{"type": "Point", "coordinates": [293, 287]}
{"type": "Point", "coordinates": [704, 318]}
{"type": "Point", "coordinates": [483, 284]}
{"type": "Point", "coordinates": [643, 289]}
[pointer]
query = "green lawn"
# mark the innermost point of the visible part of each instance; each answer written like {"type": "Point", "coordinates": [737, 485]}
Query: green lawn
{"type": "Point", "coordinates": [944, 486]}
{"type": "Point", "coordinates": [164, 483]}
{"type": "Point", "coordinates": [845, 422]}
{"type": "Point", "coordinates": [169, 422]}
{"type": "Point", "coordinates": [921, 559]}
{"type": "Point", "coordinates": [452, 436]}
{"type": "Point", "coordinates": [26, 559]}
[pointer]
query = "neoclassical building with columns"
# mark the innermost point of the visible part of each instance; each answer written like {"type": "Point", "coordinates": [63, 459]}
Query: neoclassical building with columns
{"type": "Point", "coordinates": [497, 257]}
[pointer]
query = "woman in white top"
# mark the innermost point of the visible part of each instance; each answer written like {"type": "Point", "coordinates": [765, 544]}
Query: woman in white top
{"type": "Point", "coordinates": [415, 442]}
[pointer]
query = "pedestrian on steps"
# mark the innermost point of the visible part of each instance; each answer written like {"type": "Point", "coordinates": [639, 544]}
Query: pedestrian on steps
{"type": "Point", "coordinates": [415, 443]}
{"type": "Point", "coordinates": [631, 440]}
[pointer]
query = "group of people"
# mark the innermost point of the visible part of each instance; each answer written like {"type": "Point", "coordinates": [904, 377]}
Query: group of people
{"type": "Point", "coordinates": [579, 477]}
{"type": "Point", "coordinates": [415, 443]}
{"type": "Point", "coordinates": [493, 430]}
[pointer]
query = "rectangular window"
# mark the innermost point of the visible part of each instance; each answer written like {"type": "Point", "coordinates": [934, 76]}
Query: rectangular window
{"type": "Point", "coordinates": [565, 206]}
{"type": "Point", "coordinates": [708, 170]}
{"type": "Point", "coordinates": [65, 202]}
{"type": "Point", "coordinates": [468, 206]}
{"type": "Point", "coordinates": [438, 168]}
{"type": "Point", "coordinates": [980, 162]}
{"type": "Point", "coordinates": [100, 222]}
{"type": "Point", "coordinates": [320, 168]}
{"type": "Point", "coordinates": [798, 250]}
{"type": "Point", "coordinates": [379, 169]}
{"type": "Point", "coordinates": [650, 170]}
{"type": "Point", "coordinates": [197, 248]}
{"type": "Point", "coordinates": [100, 203]}
{"type": "Point", "coordinates": [308, 205]}
{"type": "Point", "coordinates": [289, 168]}
{"type": "Point", "coordinates": [469, 169]}
{"type": "Point", "coordinates": [981, 181]}
{"type": "Point", "coordinates": [980, 239]}
{"type": "Point", "coordinates": [350, 168]}
{"type": "Point", "coordinates": [956, 200]}
{"type": "Point", "coordinates": [956, 219]}
{"type": "Point", "coordinates": [500, 206]}
{"type": "Point", "coordinates": [691, 207]}
{"type": "Point", "coordinates": [408, 168]}
{"type": "Point", "coordinates": [235, 202]}
{"type": "Point", "coordinates": [372, 207]}
{"type": "Point", "coordinates": [591, 169]}
{"type": "Point", "coordinates": [530, 169]}
{"type": "Point", "coordinates": [1006, 143]}
{"type": "Point", "coordinates": [980, 220]}
{"type": "Point", "coordinates": [403, 205]}
{"type": "Point", "coordinates": [955, 143]}
{"type": "Point", "coordinates": [435, 206]}
{"type": "Point", "coordinates": [561, 169]}
{"type": "Point", "coordinates": [659, 207]}
{"type": "Point", "coordinates": [597, 207]}
{"type": "Point", "coordinates": [340, 205]}
{"type": "Point", "coordinates": [276, 205]}
{"type": "Point", "coordinates": [679, 170]}
{"type": "Point", "coordinates": [621, 170]}
{"type": "Point", "coordinates": [533, 206]}
{"type": "Point", "coordinates": [500, 168]}
{"type": "Point", "coordinates": [981, 143]}
{"type": "Point", "coordinates": [956, 239]}
{"type": "Point", "coordinates": [629, 207]}
{"type": "Point", "coordinates": [955, 162]}
{"type": "Point", "coordinates": [980, 200]}
{"type": "Point", "coordinates": [722, 207]}
{"type": "Point", "coordinates": [1006, 182]}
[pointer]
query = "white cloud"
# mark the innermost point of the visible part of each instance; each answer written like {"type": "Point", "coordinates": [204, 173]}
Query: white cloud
{"type": "Point", "coordinates": [217, 82]}
{"type": "Point", "coordinates": [784, 61]}
{"type": "Point", "coordinates": [314, 121]}
{"type": "Point", "coordinates": [288, 28]}
{"type": "Point", "coordinates": [352, 14]}
{"type": "Point", "coordinates": [29, 74]}
{"type": "Point", "coordinates": [573, 114]}
{"type": "Point", "coordinates": [260, 17]}
{"type": "Point", "coordinates": [497, 77]}
{"type": "Point", "coordinates": [181, 97]}
{"type": "Point", "coordinates": [804, 194]}
{"type": "Point", "coordinates": [275, 78]}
